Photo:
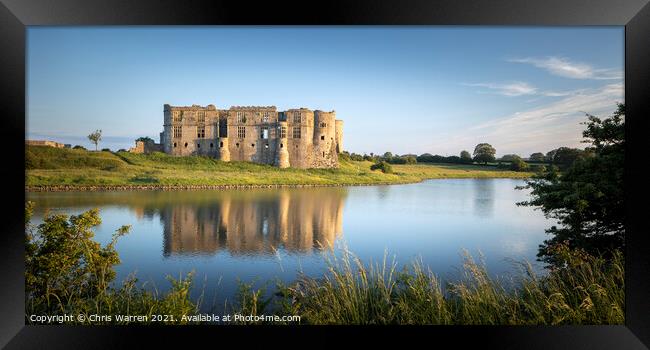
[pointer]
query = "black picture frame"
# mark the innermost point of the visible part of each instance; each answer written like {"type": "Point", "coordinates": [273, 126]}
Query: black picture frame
{"type": "Point", "coordinates": [15, 15]}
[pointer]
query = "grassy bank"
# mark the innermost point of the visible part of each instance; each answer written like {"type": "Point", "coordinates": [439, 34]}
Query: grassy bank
{"type": "Point", "coordinates": [587, 290]}
{"type": "Point", "coordinates": [47, 166]}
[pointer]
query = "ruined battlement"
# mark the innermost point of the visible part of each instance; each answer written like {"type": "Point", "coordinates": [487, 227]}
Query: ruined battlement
{"type": "Point", "coordinates": [297, 137]}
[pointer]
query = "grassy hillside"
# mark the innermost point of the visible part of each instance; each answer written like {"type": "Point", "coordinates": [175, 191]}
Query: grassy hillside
{"type": "Point", "coordinates": [47, 166]}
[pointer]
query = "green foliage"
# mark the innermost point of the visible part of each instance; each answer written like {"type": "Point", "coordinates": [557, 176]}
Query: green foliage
{"type": "Point", "coordinates": [67, 272]}
{"type": "Point", "coordinates": [95, 137]}
{"type": "Point", "coordinates": [410, 159]}
{"type": "Point", "coordinates": [587, 198]}
{"type": "Point", "coordinates": [465, 157]}
{"type": "Point", "coordinates": [345, 155]}
{"type": "Point", "coordinates": [484, 153]}
{"type": "Point", "coordinates": [145, 139]}
{"type": "Point", "coordinates": [537, 157]}
{"type": "Point", "coordinates": [79, 147]}
{"type": "Point", "coordinates": [564, 157]}
{"type": "Point", "coordinates": [509, 157]}
{"type": "Point", "coordinates": [383, 166]}
{"type": "Point", "coordinates": [586, 290]}
{"type": "Point", "coordinates": [518, 164]}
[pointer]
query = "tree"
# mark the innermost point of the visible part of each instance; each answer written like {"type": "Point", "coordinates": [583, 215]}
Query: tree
{"type": "Point", "coordinates": [518, 164]}
{"type": "Point", "coordinates": [465, 157]}
{"type": "Point", "coordinates": [587, 199]}
{"type": "Point", "coordinates": [145, 139]}
{"type": "Point", "coordinates": [550, 155]}
{"type": "Point", "coordinates": [509, 157]}
{"type": "Point", "coordinates": [411, 159]}
{"type": "Point", "coordinates": [484, 152]}
{"type": "Point", "coordinates": [564, 157]}
{"type": "Point", "coordinates": [387, 155]}
{"type": "Point", "coordinates": [536, 157]}
{"type": "Point", "coordinates": [63, 260]}
{"type": "Point", "coordinates": [95, 137]}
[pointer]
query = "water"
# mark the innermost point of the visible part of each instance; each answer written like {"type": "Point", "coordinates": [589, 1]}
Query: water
{"type": "Point", "coordinates": [267, 234]}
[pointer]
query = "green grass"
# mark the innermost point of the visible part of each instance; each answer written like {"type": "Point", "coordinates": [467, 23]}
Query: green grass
{"type": "Point", "coordinates": [588, 290]}
{"type": "Point", "coordinates": [46, 166]}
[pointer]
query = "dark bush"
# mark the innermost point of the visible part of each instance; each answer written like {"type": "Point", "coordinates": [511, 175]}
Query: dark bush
{"type": "Point", "coordinates": [383, 166]}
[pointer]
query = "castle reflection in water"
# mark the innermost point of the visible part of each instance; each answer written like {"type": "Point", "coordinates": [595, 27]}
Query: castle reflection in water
{"type": "Point", "coordinates": [250, 223]}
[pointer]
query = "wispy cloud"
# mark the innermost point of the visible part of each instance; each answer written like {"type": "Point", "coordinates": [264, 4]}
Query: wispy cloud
{"type": "Point", "coordinates": [517, 88]}
{"type": "Point", "coordinates": [564, 67]}
{"type": "Point", "coordinates": [537, 130]}
{"type": "Point", "coordinates": [520, 88]}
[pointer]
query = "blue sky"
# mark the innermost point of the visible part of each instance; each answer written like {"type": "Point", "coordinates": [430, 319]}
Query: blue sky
{"type": "Point", "coordinates": [438, 90]}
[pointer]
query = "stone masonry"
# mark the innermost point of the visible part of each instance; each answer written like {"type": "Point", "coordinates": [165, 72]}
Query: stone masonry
{"type": "Point", "coordinates": [299, 138]}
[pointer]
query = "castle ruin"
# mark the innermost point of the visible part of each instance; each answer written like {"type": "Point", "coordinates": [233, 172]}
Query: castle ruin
{"type": "Point", "coordinates": [299, 138]}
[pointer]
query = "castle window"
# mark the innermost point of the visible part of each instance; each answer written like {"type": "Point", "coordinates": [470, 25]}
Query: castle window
{"type": "Point", "coordinates": [241, 117]}
{"type": "Point", "coordinates": [221, 144]}
{"type": "Point", "coordinates": [296, 132]}
{"type": "Point", "coordinates": [174, 144]}
{"type": "Point", "coordinates": [297, 117]}
{"type": "Point", "coordinates": [322, 137]}
{"type": "Point", "coordinates": [282, 145]}
{"type": "Point", "coordinates": [252, 145]}
{"type": "Point", "coordinates": [265, 132]}
{"type": "Point", "coordinates": [322, 125]}
{"type": "Point", "coordinates": [211, 145]}
{"type": "Point", "coordinates": [241, 132]}
{"type": "Point", "coordinates": [178, 131]}
{"type": "Point", "coordinates": [200, 117]}
{"type": "Point", "coordinates": [198, 145]}
{"type": "Point", "coordinates": [176, 116]}
{"type": "Point", "coordinates": [266, 117]}
{"type": "Point", "coordinates": [266, 145]}
{"type": "Point", "coordinates": [185, 144]}
{"type": "Point", "coordinates": [283, 132]}
{"type": "Point", "coordinates": [237, 145]}
{"type": "Point", "coordinates": [200, 131]}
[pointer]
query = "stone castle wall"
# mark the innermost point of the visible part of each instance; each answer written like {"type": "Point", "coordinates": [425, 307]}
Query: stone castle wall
{"type": "Point", "coordinates": [254, 134]}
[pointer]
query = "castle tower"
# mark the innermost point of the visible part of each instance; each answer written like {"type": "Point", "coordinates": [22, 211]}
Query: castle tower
{"type": "Point", "coordinates": [339, 135]}
{"type": "Point", "coordinates": [282, 155]}
{"type": "Point", "coordinates": [224, 152]}
{"type": "Point", "coordinates": [325, 154]}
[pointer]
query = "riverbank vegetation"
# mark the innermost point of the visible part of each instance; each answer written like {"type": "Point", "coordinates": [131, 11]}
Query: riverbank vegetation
{"type": "Point", "coordinates": [68, 273]}
{"type": "Point", "coordinates": [588, 197]}
{"type": "Point", "coordinates": [587, 290]}
{"type": "Point", "coordinates": [47, 166]}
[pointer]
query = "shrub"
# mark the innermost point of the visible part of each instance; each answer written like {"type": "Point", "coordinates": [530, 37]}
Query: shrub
{"type": "Point", "coordinates": [68, 272]}
{"type": "Point", "coordinates": [79, 147]}
{"type": "Point", "coordinates": [518, 164]}
{"type": "Point", "coordinates": [383, 166]}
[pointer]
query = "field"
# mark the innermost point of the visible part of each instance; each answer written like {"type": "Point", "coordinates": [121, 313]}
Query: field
{"type": "Point", "coordinates": [47, 166]}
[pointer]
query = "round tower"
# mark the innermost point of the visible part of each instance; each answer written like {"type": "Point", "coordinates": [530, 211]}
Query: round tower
{"type": "Point", "coordinates": [224, 151]}
{"type": "Point", "coordinates": [282, 155]}
{"type": "Point", "coordinates": [339, 135]}
{"type": "Point", "coordinates": [324, 139]}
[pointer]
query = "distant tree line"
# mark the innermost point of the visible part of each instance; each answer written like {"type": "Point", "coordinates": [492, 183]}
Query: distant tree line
{"type": "Point", "coordinates": [484, 153]}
